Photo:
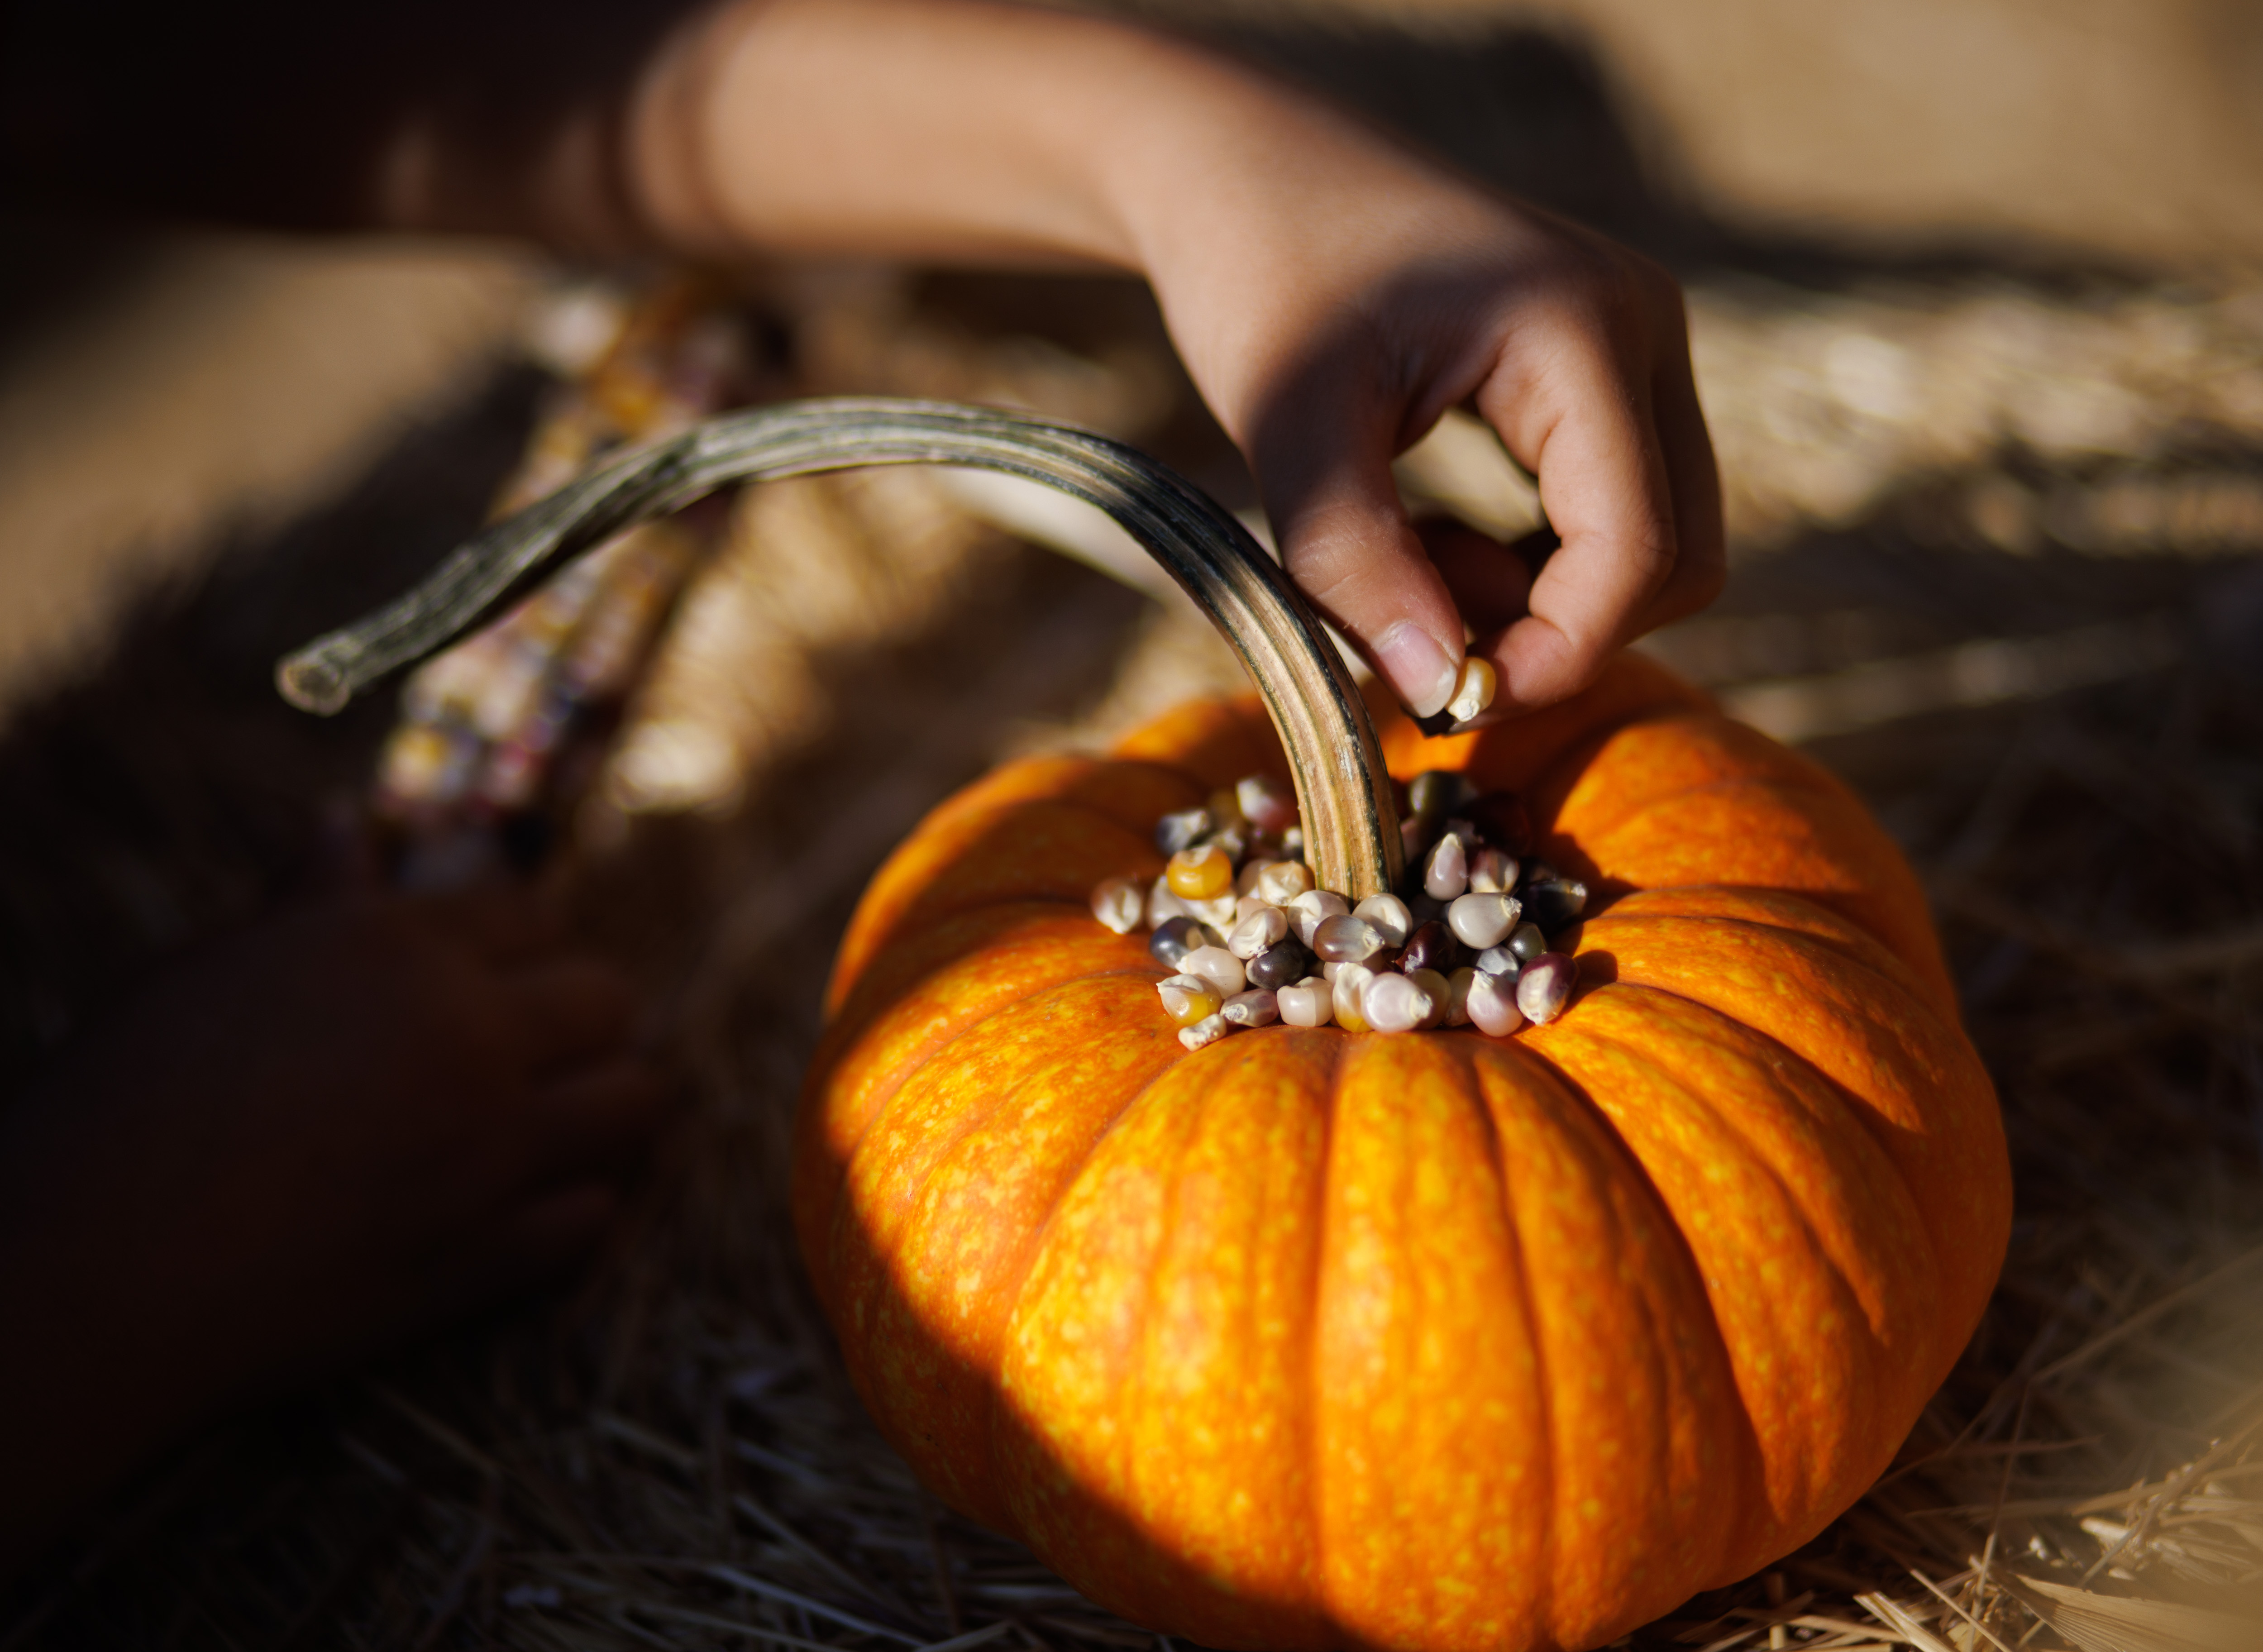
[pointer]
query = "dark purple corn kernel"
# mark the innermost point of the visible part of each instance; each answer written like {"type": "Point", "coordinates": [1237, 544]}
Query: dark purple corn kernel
{"type": "Point", "coordinates": [1278, 967]}
{"type": "Point", "coordinates": [1175, 937]}
{"type": "Point", "coordinates": [1430, 947]}
{"type": "Point", "coordinates": [1555, 904]}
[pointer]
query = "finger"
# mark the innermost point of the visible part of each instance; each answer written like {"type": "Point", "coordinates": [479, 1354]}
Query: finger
{"type": "Point", "coordinates": [1701, 562]}
{"type": "Point", "coordinates": [1573, 409]}
{"type": "Point", "coordinates": [574, 1006]}
{"type": "Point", "coordinates": [1345, 540]}
{"type": "Point", "coordinates": [599, 1123]}
{"type": "Point", "coordinates": [1488, 582]}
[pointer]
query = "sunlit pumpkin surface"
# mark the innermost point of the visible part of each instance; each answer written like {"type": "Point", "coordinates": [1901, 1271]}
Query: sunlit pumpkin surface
{"type": "Point", "coordinates": [1433, 1340]}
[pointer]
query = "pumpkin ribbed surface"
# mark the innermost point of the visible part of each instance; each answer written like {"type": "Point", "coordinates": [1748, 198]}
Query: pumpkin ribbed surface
{"type": "Point", "coordinates": [1315, 1338]}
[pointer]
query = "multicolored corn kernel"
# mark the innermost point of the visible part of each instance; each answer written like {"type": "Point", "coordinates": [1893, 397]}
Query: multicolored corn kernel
{"type": "Point", "coordinates": [1309, 911]}
{"type": "Point", "coordinates": [1500, 960]}
{"type": "Point", "coordinates": [1492, 1006]}
{"type": "Point", "coordinates": [1395, 1004]}
{"type": "Point", "coordinates": [1554, 902]}
{"type": "Point", "coordinates": [1309, 1002]}
{"type": "Point", "coordinates": [1261, 930]}
{"type": "Point", "coordinates": [1446, 870]}
{"type": "Point", "coordinates": [1439, 993]}
{"type": "Point", "coordinates": [1474, 691]}
{"type": "Point", "coordinates": [1256, 1007]}
{"type": "Point", "coordinates": [1492, 872]}
{"type": "Point", "coordinates": [1188, 999]}
{"type": "Point", "coordinates": [1202, 872]}
{"type": "Point", "coordinates": [1218, 966]}
{"type": "Point", "coordinates": [1479, 920]}
{"type": "Point", "coordinates": [1207, 1030]}
{"type": "Point", "coordinates": [1389, 914]}
{"type": "Point", "coordinates": [1267, 804]}
{"type": "Point", "coordinates": [1431, 946]}
{"type": "Point", "coordinates": [1119, 903]}
{"type": "Point", "coordinates": [1174, 937]}
{"type": "Point", "coordinates": [1182, 831]}
{"type": "Point", "coordinates": [1280, 966]}
{"type": "Point", "coordinates": [1545, 987]}
{"type": "Point", "coordinates": [1526, 942]}
{"type": "Point", "coordinates": [1348, 939]}
{"type": "Point", "coordinates": [1345, 989]}
{"type": "Point", "coordinates": [1457, 995]}
{"type": "Point", "coordinates": [1284, 880]}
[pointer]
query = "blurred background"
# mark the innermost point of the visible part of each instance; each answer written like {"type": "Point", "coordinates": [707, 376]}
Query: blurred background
{"type": "Point", "coordinates": [1976, 293]}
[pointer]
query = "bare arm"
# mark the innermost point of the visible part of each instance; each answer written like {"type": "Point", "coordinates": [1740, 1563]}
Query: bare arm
{"type": "Point", "coordinates": [1331, 293]}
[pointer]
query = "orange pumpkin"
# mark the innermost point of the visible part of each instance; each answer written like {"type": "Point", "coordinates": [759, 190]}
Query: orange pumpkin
{"type": "Point", "coordinates": [1312, 1338]}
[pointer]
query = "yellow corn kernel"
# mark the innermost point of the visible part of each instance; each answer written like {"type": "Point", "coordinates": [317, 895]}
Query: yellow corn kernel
{"type": "Point", "coordinates": [1188, 999]}
{"type": "Point", "coordinates": [1203, 872]}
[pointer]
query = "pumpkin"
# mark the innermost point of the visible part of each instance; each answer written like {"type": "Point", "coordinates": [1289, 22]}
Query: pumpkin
{"type": "Point", "coordinates": [1311, 1338]}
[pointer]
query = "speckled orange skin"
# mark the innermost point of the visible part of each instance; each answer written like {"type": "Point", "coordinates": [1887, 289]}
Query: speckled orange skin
{"type": "Point", "coordinates": [1316, 1339]}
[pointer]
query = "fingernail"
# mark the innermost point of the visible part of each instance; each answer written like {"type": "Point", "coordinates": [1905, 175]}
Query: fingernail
{"type": "Point", "coordinates": [1423, 674]}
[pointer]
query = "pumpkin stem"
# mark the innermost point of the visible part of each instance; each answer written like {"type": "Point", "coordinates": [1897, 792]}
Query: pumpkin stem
{"type": "Point", "coordinates": [1350, 819]}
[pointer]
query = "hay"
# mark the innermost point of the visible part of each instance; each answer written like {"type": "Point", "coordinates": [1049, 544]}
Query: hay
{"type": "Point", "coordinates": [2061, 724]}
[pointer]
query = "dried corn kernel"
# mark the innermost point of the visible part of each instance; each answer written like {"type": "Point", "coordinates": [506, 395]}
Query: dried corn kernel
{"type": "Point", "coordinates": [1245, 882]}
{"type": "Point", "coordinates": [1118, 903]}
{"type": "Point", "coordinates": [1188, 998]}
{"type": "Point", "coordinates": [1393, 1003]}
{"type": "Point", "coordinates": [1206, 1031]}
{"type": "Point", "coordinates": [1201, 872]}
{"type": "Point", "coordinates": [1310, 1003]}
{"type": "Point", "coordinates": [1218, 966]}
{"type": "Point", "coordinates": [1348, 939]}
{"type": "Point", "coordinates": [1492, 1006]}
{"type": "Point", "coordinates": [1182, 831]}
{"type": "Point", "coordinates": [1474, 691]}
{"type": "Point", "coordinates": [1545, 987]}
{"type": "Point", "coordinates": [1389, 914]}
{"type": "Point", "coordinates": [1345, 995]}
{"type": "Point", "coordinates": [1255, 1008]}
{"type": "Point", "coordinates": [1437, 990]}
{"type": "Point", "coordinates": [1446, 873]}
{"type": "Point", "coordinates": [1492, 872]}
{"type": "Point", "coordinates": [1309, 911]}
{"type": "Point", "coordinates": [1483, 920]}
{"type": "Point", "coordinates": [1458, 997]}
{"type": "Point", "coordinates": [1284, 880]}
{"type": "Point", "coordinates": [1266, 804]}
{"type": "Point", "coordinates": [1262, 931]}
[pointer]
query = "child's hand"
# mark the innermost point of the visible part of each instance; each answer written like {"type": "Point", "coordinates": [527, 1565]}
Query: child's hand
{"type": "Point", "coordinates": [1332, 295]}
{"type": "Point", "coordinates": [1330, 315]}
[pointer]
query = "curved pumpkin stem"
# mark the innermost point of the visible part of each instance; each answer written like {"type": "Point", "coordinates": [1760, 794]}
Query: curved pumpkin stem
{"type": "Point", "coordinates": [1350, 819]}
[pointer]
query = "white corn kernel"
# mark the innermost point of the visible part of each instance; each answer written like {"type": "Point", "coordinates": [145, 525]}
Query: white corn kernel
{"type": "Point", "coordinates": [1118, 903]}
{"type": "Point", "coordinates": [1395, 1004]}
{"type": "Point", "coordinates": [1474, 693]}
{"type": "Point", "coordinates": [1284, 880]}
{"type": "Point", "coordinates": [1245, 882]}
{"type": "Point", "coordinates": [1310, 910]}
{"type": "Point", "coordinates": [1266, 927]}
{"type": "Point", "coordinates": [1389, 914]}
{"type": "Point", "coordinates": [1482, 920]}
{"type": "Point", "coordinates": [1207, 1030]}
{"type": "Point", "coordinates": [1162, 904]}
{"type": "Point", "coordinates": [1458, 997]}
{"type": "Point", "coordinates": [1218, 966]}
{"type": "Point", "coordinates": [1345, 994]}
{"type": "Point", "coordinates": [1491, 1005]}
{"type": "Point", "coordinates": [1310, 1003]}
{"type": "Point", "coordinates": [1218, 914]}
{"type": "Point", "coordinates": [1446, 873]}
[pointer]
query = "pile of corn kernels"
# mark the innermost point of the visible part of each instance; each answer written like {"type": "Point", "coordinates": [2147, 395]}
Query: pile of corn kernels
{"type": "Point", "coordinates": [1466, 942]}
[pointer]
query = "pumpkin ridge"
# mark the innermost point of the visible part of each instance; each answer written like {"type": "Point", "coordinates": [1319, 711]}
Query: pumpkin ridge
{"type": "Point", "coordinates": [1867, 1402]}
{"type": "Point", "coordinates": [1878, 958]}
{"type": "Point", "coordinates": [897, 1081]}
